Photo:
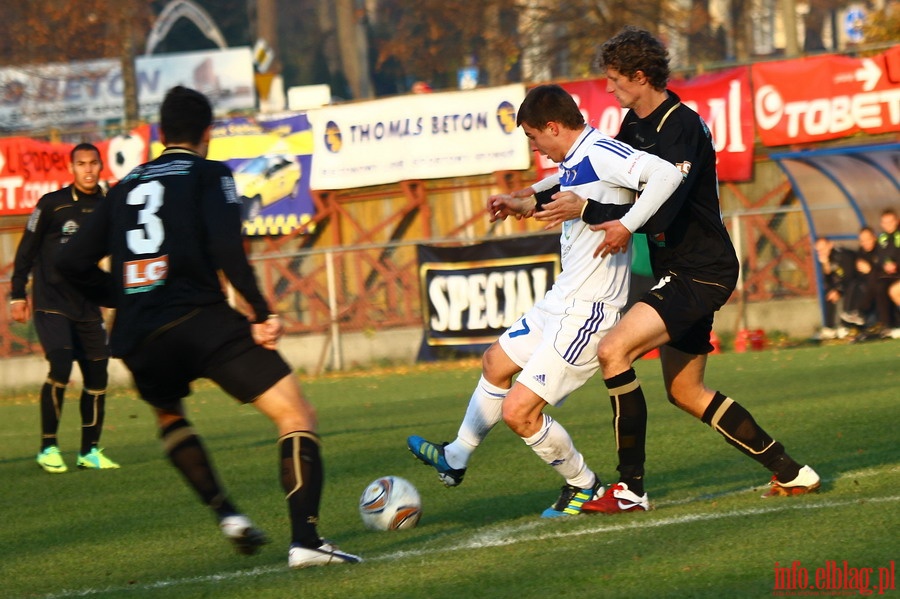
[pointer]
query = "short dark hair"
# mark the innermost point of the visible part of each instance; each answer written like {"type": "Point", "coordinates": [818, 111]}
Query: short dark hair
{"type": "Point", "coordinates": [546, 103]}
{"type": "Point", "coordinates": [184, 115]}
{"type": "Point", "coordinates": [632, 50]}
{"type": "Point", "coordinates": [85, 146]}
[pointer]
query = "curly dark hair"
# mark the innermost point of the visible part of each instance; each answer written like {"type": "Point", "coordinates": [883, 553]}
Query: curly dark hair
{"type": "Point", "coordinates": [632, 50]}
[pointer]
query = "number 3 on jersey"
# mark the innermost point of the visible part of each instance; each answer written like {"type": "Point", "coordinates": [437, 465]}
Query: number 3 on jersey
{"type": "Point", "coordinates": [148, 239]}
{"type": "Point", "coordinates": [145, 274]}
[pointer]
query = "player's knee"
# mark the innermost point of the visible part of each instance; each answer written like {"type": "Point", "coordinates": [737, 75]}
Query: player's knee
{"type": "Point", "coordinates": [95, 374]}
{"type": "Point", "coordinates": [292, 414]}
{"type": "Point", "coordinates": [521, 419]}
{"type": "Point", "coordinates": [60, 361]}
{"type": "Point", "coordinates": [692, 402]}
{"type": "Point", "coordinates": [497, 368]}
{"type": "Point", "coordinates": [607, 355]}
{"type": "Point", "coordinates": [490, 358]}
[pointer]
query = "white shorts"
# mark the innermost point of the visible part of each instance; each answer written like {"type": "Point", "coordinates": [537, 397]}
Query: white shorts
{"type": "Point", "coordinates": [557, 350]}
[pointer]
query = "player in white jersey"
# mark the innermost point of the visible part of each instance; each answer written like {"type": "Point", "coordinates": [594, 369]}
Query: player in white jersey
{"type": "Point", "coordinates": [552, 347]}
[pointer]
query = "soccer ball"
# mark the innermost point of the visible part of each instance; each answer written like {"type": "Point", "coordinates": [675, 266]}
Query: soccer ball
{"type": "Point", "coordinates": [390, 503]}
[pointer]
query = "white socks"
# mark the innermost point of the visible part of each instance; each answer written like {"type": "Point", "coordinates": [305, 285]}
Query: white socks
{"type": "Point", "coordinates": [554, 445]}
{"type": "Point", "coordinates": [484, 412]}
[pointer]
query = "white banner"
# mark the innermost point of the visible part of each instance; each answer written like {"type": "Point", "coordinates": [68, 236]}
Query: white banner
{"type": "Point", "coordinates": [420, 136]}
{"type": "Point", "coordinates": [87, 91]}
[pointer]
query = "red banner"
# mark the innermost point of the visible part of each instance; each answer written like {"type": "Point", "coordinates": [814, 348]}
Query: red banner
{"type": "Point", "coordinates": [722, 99]}
{"type": "Point", "coordinates": [825, 97]}
{"type": "Point", "coordinates": [30, 168]}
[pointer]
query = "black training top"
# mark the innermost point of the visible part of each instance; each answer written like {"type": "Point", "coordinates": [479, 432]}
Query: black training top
{"type": "Point", "coordinates": [56, 218]}
{"type": "Point", "coordinates": [169, 226]}
{"type": "Point", "coordinates": [686, 235]}
{"type": "Point", "coordinates": [695, 241]}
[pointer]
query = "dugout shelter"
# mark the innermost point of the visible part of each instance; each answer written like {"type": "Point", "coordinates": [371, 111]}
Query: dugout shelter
{"type": "Point", "coordinates": [842, 190]}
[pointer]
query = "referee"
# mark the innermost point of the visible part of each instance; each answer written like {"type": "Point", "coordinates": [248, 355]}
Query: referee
{"type": "Point", "coordinates": [69, 326]}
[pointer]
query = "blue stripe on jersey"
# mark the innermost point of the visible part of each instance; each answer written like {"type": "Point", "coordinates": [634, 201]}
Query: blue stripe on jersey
{"type": "Point", "coordinates": [616, 147]}
{"type": "Point", "coordinates": [580, 174]}
{"type": "Point", "coordinates": [589, 328]}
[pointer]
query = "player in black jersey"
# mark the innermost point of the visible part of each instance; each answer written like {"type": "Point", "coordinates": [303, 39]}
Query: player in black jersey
{"type": "Point", "coordinates": [70, 327]}
{"type": "Point", "coordinates": [169, 227]}
{"type": "Point", "coordinates": [695, 264]}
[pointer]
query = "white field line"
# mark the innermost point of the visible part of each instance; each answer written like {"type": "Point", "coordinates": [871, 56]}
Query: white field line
{"type": "Point", "coordinates": [511, 535]}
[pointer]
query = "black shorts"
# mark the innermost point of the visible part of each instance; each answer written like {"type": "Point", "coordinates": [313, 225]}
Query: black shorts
{"type": "Point", "coordinates": [687, 306]}
{"type": "Point", "coordinates": [87, 340]}
{"type": "Point", "coordinates": [213, 342]}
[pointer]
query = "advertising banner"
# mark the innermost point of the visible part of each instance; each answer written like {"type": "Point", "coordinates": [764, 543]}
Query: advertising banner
{"type": "Point", "coordinates": [471, 294]}
{"type": "Point", "coordinates": [29, 168]}
{"type": "Point", "coordinates": [420, 136]}
{"type": "Point", "coordinates": [270, 158]}
{"type": "Point", "coordinates": [824, 97]}
{"type": "Point", "coordinates": [40, 96]}
{"type": "Point", "coordinates": [722, 99]}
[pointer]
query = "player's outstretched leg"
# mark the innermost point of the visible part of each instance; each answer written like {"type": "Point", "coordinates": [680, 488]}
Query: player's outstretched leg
{"type": "Point", "coordinates": [186, 452]}
{"type": "Point", "coordinates": [484, 411]}
{"type": "Point", "coordinates": [432, 455]}
{"type": "Point", "coordinates": [737, 426]}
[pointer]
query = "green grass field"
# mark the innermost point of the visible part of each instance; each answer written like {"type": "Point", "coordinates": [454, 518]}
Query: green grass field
{"type": "Point", "coordinates": [138, 532]}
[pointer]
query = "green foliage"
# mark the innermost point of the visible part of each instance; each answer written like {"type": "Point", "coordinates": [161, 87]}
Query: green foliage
{"type": "Point", "coordinates": [137, 532]}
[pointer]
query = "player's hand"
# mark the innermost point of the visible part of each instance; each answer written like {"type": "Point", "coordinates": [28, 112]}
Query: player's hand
{"type": "Point", "coordinates": [501, 205]}
{"type": "Point", "coordinates": [566, 205]}
{"type": "Point", "coordinates": [19, 311]}
{"type": "Point", "coordinates": [269, 332]}
{"type": "Point", "coordinates": [616, 240]}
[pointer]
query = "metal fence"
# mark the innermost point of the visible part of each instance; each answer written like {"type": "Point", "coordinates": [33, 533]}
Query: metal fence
{"type": "Point", "coordinates": [356, 269]}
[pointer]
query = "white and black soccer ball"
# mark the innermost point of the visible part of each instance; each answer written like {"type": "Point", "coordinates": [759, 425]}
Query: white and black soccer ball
{"type": "Point", "coordinates": [390, 503]}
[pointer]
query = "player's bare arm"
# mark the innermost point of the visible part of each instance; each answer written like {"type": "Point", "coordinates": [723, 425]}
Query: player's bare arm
{"type": "Point", "coordinates": [520, 204]}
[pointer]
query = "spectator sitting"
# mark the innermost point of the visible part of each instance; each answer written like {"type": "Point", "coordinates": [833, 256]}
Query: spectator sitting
{"type": "Point", "coordinates": [867, 269]}
{"type": "Point", "coordinates": [842, 284]}
{"type": "Point", "coordinates": [887, 291]}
